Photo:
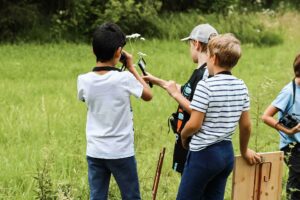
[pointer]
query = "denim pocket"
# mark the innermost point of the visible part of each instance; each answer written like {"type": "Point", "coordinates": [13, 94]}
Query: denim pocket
{"type": "Point", "coordinates": [188, 158]}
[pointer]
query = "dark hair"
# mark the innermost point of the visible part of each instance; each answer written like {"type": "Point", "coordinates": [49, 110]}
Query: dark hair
{"type": "Point", "coordinates": [297, 65]}
{"type": "Point", "coordinates": [107, 38]}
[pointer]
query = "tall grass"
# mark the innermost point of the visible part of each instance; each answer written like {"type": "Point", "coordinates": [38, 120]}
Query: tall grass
{"type": "Point", "coordinates": [253, 28]}
{"type": "Point", "coordinates": [42, 125]}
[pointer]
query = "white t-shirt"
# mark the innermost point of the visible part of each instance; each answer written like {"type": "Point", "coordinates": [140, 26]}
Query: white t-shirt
{"type": "Point", "coordinates": [109, 125]}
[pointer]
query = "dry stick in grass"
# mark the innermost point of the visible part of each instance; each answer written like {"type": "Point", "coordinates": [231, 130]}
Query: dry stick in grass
{"type": "Point", "coordinates": [157, 173]}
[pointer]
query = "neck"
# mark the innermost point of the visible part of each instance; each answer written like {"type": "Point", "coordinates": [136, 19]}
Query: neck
{"type": "Point", "coordinates": [297, 80]}
{"type": "Point", "coordinates": [202, 58]}
{"type": "Point", "coordinates": [218, 69]}
{"type": "Point", "coordinates": [105, 64]}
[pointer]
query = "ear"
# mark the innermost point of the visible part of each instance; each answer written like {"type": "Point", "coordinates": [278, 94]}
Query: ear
{"type": "Point", "coordinates": [197, 45]}
{"type": "Point", "coordinates": [118, 52]}
{"type": "Point", "coordinates": [215, 59]}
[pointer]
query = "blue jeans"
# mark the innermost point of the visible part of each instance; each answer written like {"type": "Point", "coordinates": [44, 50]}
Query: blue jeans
{"type": "Point", "coordinates": [124, 171]}
{"type": "Point", "coordinates": [206, 172]}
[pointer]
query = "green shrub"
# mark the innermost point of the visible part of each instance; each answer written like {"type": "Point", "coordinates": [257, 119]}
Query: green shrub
{"type": "Point", "coordinates": [204, 6]}
{"type": "Point", "coordinates": [247, 27]}
{"type": "Point", "coordinates": [44, 189]}
{"type": "Point", "coordinates": [83, 17]}
{"type": "Point", "coordinates": [270, 38]}
{"type": "Point", "coordinates": [73, 20]}
{"type": "Point", "coordinates": [16, 18]}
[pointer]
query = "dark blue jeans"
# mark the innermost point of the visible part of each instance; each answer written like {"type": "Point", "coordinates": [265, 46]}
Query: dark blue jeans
{"type": "Point", "coordinates": [124, 171]}
{"type": "Point", "coordinates": [206, 172]}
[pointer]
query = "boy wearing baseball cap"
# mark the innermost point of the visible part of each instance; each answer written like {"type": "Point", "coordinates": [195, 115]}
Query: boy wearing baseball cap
{"type": "Point", "coordinates": [198, 40]}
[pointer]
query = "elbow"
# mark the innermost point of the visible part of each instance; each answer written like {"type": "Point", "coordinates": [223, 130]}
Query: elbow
{"type": "Point", "coordinates": [188, 110]}
{"type": "Point", "coordinates": [189, 130]}
{"type": "Point", "coordinates": [147, 97]}
{"type": "Point", "coordinates": [196, 127]}
{"type": "Point", "coordinates": [264, 118]}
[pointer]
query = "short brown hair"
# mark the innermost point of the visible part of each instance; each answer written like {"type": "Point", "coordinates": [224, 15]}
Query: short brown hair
{"type": "Point", "coordinates": [203, 47]}
{"type": "Point", "coordinates": [297, 65]}
{"type": "Point", "coordinates": [226, 48]}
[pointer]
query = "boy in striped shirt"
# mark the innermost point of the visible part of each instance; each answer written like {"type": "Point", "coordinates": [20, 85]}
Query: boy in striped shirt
{"type": "Point", "coordinates": [219, 104]}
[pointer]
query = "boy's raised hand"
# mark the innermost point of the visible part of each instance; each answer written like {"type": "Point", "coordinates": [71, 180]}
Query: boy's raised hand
{"type": "Point", "coordinates": [129, 61]}
{"type": "Point", "coordinates": [147, 94]}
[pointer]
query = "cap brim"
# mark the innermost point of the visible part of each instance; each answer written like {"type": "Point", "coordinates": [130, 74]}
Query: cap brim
{"type": "Point", "coordinates": [185, 39]}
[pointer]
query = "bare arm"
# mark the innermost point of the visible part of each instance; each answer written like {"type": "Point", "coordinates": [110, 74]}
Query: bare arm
{"type": "Point", "coordinates": [192, 126]}
{"type": "Point", "coordinates": [245, 130]}
{"type": "Point", "coordinates": [147, 93]}
{"type": "Point", "coordinates": [173, 89]}
{"type": "Point", "coordinates": [155, 80]}
{"type": "Point", "coordinates": [268, 118]}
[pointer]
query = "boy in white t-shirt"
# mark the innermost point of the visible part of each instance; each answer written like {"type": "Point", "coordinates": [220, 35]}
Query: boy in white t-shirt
{"type": "Point", "coordinates": [109, 127]}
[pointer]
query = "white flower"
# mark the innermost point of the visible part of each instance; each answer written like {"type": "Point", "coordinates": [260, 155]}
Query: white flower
{"type": "Point", "coordinates": [61, 12]}
{"type": "Point", "coordinates": [142, 39]}
{"type": "Point", "coordinates": [141, 54]}
{"type": "Point", "coordinates": [132, 36]}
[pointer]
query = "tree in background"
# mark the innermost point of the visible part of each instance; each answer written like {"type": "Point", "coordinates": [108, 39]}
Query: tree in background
{"type": "Point", "coordinates": [83, 17]}
{"type": "Point", "coordinates": [22, 20]}
{"type": "Point", "coordinates": [16, 16]}
{"type": "Point", "coordinates": [204, 6]}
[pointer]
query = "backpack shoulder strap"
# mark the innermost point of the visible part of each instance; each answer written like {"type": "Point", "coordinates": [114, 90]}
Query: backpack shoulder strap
{"type": "Point", "coordinates": [197, 78]}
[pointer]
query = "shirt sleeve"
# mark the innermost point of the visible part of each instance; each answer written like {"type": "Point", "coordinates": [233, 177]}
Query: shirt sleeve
{"type": "Point", "coordinates": [201, 97]}
{"type": "Point", "coordinates": [134, 86]}
{"type": "Point", "coordinates": [282, 101]}
{"type": "Point", "coordinates": [246, 105]}
{"type": "Point", "coordinates": [80, 90]}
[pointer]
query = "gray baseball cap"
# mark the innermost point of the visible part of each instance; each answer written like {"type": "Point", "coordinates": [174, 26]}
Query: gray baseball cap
{"type": "Point", "coordinates": [201, 33]}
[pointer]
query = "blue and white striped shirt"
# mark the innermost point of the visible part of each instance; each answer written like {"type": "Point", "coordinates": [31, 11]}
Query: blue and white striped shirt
{"type": "Point", "coordinates": [222, 98]}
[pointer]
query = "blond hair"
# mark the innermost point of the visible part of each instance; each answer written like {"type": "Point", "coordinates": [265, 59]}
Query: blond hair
{"type": "Point", "coordinates": [226, 48]}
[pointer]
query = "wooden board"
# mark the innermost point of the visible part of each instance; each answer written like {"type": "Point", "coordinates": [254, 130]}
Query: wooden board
{"type": "Point", "coordinates": [258, 182]}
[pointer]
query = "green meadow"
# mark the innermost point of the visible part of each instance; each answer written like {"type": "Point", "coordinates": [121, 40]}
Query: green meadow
{"type": "Point", "coordinates": [42, 124]}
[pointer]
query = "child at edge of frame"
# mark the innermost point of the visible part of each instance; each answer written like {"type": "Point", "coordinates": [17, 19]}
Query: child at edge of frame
{"type": "Point", "coordinates": [219, 104]}
{"type": "Point", "coordinates": [183, 94]}
{"type": "Point", "coordinates": [287, 104]}
{"type": "Point", "coordinates": [106, 91]}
